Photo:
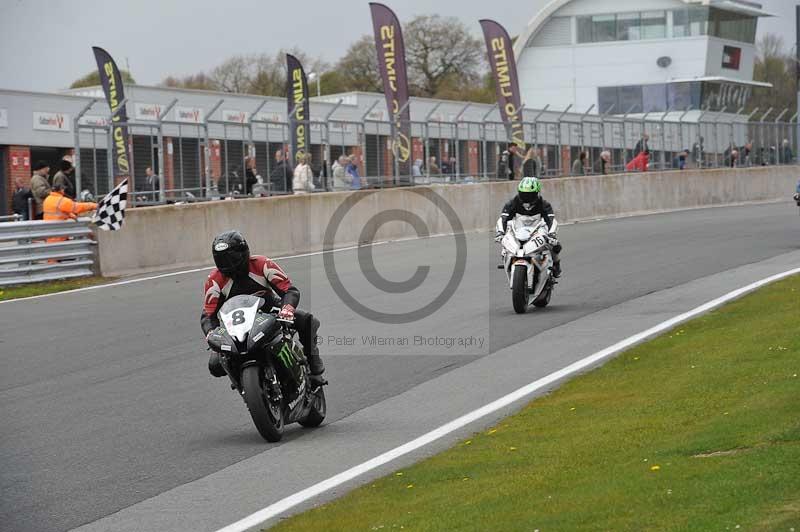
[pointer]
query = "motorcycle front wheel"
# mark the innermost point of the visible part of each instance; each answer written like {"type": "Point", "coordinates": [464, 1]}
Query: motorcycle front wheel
{"type": "Point", "coordinates": [519, 290]}
{"type": "Point", "coordinates": [267, 417]}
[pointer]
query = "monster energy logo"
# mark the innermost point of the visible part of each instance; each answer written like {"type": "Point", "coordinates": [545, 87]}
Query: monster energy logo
{"type": "Point", "coordinates": [285, 356]}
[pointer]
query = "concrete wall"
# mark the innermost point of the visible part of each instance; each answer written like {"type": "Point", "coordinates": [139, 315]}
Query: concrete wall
{"type": "Point", "coordinates": [166, 237]}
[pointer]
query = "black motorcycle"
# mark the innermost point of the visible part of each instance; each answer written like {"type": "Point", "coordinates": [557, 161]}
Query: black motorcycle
{"type": "Point", "coordinates": [266, 365]}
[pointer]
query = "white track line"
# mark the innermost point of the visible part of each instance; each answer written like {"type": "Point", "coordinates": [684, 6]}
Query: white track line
{"type": "Point", "coordinates": [300, 497]}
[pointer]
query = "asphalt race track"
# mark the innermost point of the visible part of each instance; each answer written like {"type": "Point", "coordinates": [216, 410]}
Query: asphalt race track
{"type": "Point", "coordinates": [106, 400]}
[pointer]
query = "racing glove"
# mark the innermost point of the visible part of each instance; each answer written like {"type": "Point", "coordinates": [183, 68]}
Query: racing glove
{"type": "Point", "coordinates": [286, 313]}
{"type": "Point", "coordinates": [498, 237]}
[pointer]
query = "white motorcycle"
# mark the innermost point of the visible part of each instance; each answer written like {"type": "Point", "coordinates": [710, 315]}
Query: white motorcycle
{"type": "Point", "coordinates": [527, 253]}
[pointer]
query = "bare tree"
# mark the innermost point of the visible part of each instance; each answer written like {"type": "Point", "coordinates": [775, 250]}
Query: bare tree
{"type": "Point", "coordinates": [234, 74]}
{"type": "Point", "coordinates": [438, 48]}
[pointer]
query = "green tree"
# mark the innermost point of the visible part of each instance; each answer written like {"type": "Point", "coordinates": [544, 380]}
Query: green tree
{"type": "Point", "coordinates": [192, 81]}
{"type": "Point", "coordinates": [774, 64]}
{"type": "Point", "coordinates": [441, 50]}
{"type": "Point", "coordinates": [357, 70]}
{"type": "Point", "coordinates": [92, 79]}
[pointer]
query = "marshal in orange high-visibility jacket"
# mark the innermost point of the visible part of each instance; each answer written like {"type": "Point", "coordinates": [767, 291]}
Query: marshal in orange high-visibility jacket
{"type": "Point", "coordinates": [57, 206]}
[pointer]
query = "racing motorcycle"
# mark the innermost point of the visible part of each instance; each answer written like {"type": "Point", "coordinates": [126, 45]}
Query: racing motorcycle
{"type": "Point", "coordinates": [266, 365]}
{"type": "Point", "coordinates": [527, 252]}
{"type": "Point", "coordinates": [796, 197]}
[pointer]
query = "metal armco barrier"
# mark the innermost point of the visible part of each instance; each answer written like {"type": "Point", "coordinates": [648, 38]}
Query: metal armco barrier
{"type": "Point", "coordinates": [27, 257]}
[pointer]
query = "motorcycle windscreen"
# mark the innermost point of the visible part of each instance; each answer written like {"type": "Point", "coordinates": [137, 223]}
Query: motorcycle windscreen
{"type": "Point", "coordinates": [238, 314]}
{"type": "Point", "coordinates": [525, 226]}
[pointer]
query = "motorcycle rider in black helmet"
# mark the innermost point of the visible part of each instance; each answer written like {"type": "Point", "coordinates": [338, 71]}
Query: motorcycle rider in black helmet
{"type": "Point", "coordinates": [239, 273]}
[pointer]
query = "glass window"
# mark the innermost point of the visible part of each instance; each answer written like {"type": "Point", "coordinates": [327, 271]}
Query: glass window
{"type": "Point", "coordinates": [654, 25]}
{"type": "Point", "coordinates": [654, 98]}
{"type": "Point", "coordinates": [607, 100]}
{"type": "Point", "coordinates": [628, 27]}
{"type": "Point", "coordinates": [732, 26]}
{"type": "Point", "coordinates": [680, 23]}
{"type": "Point", "coordinates": [604, 28]}
{"type": "Point", "coordinates": [630, 98]}
{"type": "Point", "coordinates": [584, 29]}
{"type": "Point", "coordinates": [679, 96]}
{"type": "Point", "coordinates": [698, 21]}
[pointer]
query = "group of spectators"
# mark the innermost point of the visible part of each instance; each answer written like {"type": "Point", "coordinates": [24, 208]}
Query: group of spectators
{"type": "Point", "coordinates": [304, 177]}
{"type": "Point", "coordinates": [745, 156]}
{"type": "Point", "coordinates": [40, 187]}
{"type": "Point", "coordinates": [448, 168]}
{"type": "Point", "coordinates": [46, 198]}
{"type": "Point", "coordinates": [514, 165]}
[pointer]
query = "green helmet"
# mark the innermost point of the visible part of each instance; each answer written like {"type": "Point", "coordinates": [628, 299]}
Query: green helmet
{"type": "Point", "coordinates": [528, 189]}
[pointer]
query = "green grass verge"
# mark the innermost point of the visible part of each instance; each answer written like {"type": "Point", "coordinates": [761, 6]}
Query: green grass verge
{"type": "Point", "coordinates": [37, 289]}
{"type": "Point", "coordinates": [698, 429]}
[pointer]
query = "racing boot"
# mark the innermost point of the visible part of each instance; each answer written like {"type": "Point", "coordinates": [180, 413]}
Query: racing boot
{"type": "Point", "coordinates": [316, 367]}
{"type": "Point", "coordinates": [556, 266]}
{"type": "Point", "coordinates": [215, 365]}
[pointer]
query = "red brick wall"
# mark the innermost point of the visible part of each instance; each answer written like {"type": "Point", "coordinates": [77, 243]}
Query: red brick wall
{"type": "Point", "coordinates": [216, 161]}
{"type": "Point", "coordinates": [472, 162]}
{"type": "Point", "coordinates": [18, 165]}
{"type": "Point", "coordinates": [168, 172]}
{"type": "Point", "coordinates": [417, 150]}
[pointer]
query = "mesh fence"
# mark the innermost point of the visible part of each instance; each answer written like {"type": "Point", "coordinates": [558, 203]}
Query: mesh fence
{"type": "Point", "coordinates": [179, 161]}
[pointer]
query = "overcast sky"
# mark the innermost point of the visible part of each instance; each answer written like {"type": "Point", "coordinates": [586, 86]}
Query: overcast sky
{"type": "Point", "coordinates": [46, 44]}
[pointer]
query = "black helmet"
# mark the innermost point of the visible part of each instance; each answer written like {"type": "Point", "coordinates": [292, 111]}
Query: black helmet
{"type": "Point", "coordinates": [231, 253]}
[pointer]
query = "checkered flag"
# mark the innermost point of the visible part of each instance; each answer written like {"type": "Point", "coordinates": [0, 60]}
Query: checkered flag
{"type": "Point", "coordinates": [111, 209]}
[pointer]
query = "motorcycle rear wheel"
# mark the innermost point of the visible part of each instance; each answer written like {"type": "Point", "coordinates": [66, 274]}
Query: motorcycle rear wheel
{"type": "Point", "coordinates": [319, 408]}
{"type": "Point", "coordinates": [519, 290]}
{"type": "Point", "coordinates": [267, 418]}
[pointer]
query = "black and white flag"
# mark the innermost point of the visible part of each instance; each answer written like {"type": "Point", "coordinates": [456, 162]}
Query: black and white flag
{"type": "Point", "coordinates": [111, 209]}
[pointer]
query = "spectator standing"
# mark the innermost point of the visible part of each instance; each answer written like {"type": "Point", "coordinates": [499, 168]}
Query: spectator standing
{"type": "Point", "coordinates": [63, 178]}
{"type": "Point", "coordinates": [40, 186]}
{"type": "Point", "coordinates": [453, 167]}
{"type": "Point", "coordinates": [433, 168]}
{"type": "Point", "coordinates": [153, 183]}
{"type": "Point", "coordinates": [603, 164]}
{"type": "Point", "coordinates": [786, 152]}
{"type": "Point", "coordinates": [341, 179]}
{"type": "Point", "coordinates": [697, 152]}
{"type": "Point", "coordinates": [279, 176]}
{"type": "Point", "coordinates": [444, 168]}
{"type": "Point", "coordinates": [58, 206]}
{"type": "Point", "coordinates": [502, 165]}
{"type": "Point", "coordinates": [514, 162]}
{"type": "Point", "coordinates": [642, 145]}
{"type": "Point", "coordinates": [416, 168]}
{"type": "Point", "coordinates": [529, 164]}
{"type": "Point", "coordinates": [639, 163]}
{"type": "Point", "coordinates": [732, 158]}
{"type": "Point", "coordinates": [680, 160]}
{"type": "Point", "coordinates": [19, 202]}
{"type": "Point", "coordinates": [579, 166]}
{"type": "Point", "coordinates": [303, 177]}
{"type": "Point", "coordinates": [352, 171]}
{"type": "Point", "coordinates": [250, 174]}
{"type": "Point", "coordinates": [744, 154]}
